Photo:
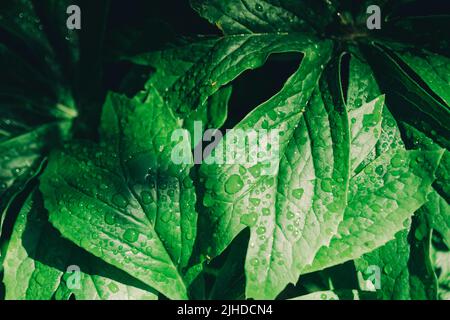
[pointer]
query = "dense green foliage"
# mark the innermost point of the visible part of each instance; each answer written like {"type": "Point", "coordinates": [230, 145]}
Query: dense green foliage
{"type": "Point", "coordinates": [356, 208]}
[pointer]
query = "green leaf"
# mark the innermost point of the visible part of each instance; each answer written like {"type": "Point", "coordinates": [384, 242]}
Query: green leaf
{"type": "Point", "coordinates": [392, 263]}
{"type": "Point", "coordinates": [392, 258]}
{"type": "Point", "coordinates": [397, 80]}
{"type": "Point", "coordinates": [365, 126]}
{"type": "Point", "coordinates": [433, 69]}
{"type": "Point", "coordinates": [404, 263]}
{"type": "Point", "coordinates": [21, 159]}
{"type": "Point", "coordinates": [422, 277]}
{"type": "Point", "coordinates": [266, 16]}
{"type": "Point", "coordinates": [190, 76]}
{"type": "Point", "coordinates": [363, 88]}
{"type": "Point", "coordinates": [395, 282]}
{"type": "Point", "coordinates": [437, 207]}
{"type": "Point", "coordinates": [37, 262]}
{"type": "Point", "coordinates": [438, 213]}
{"type": "Point", "coordinates": [288, 219]}
{"type": "Point", "coordinates": [381, 198]}
{"type": "Point", "coordinates": [419, 140]}
{"type": "Point", "coordinates": [236, 204]}
{"type": "Point", "coordinates": [125, 200]}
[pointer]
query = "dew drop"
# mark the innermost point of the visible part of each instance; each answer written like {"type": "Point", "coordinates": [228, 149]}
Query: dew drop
{"type": "Point", "coordinates": [120, 201]}
{"type": "Point", "coordinates": [234, 184]}
{"type": "Point", "coordinates": [110, 218]}
{"type": "Point", "coordinates": [255, 201]}
{"type": "Point", "coordinates": [255, 171]}
{"type": "Point", "coordinates": [249, 219]}
{"type": "Point", "coordinates": [397, 161]}
{"type": "Point", "coordinates": [113, 287]}
{"type": "Point", "coordinates": [379, 170]}
{"type": "Point", "coordinates": [326, 185]}
{"type": "Point", "coordinates": [387, 269]}
{"type": "Point", "coordinates": [254, 262]}
{"type": "Point", "coordinates": [131, 235]}
{"type": "Point", "coordinates": [298, 193]}
{"type": "Point", "coordinates": [261, 230]}
{"type": "Point", "coordinates": [146, 197]}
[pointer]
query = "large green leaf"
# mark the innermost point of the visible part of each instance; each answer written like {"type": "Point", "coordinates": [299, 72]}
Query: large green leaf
{"type": "Point", "coordinates": [398, 250]}
{"type": "Point", "coordinates": [290, 218]}
{"type": "Point", "coordinates": [191, 76]}
{"type": "Point", "coordinates": [38, 259]}
{"type": "Point", "coordinates": [236, 204]}
{"type": "Point", "coordinates": [124, 200]}
{"type": "Point", "coordinates": [400, 261]}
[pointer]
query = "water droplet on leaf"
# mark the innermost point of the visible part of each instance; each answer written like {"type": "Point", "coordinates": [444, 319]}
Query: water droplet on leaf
{"type": "Point", "coordinates": [234, 184]}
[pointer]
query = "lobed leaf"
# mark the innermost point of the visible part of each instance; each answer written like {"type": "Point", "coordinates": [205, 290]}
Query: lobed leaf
{"type": "Point", "coordinates": [124, 200]}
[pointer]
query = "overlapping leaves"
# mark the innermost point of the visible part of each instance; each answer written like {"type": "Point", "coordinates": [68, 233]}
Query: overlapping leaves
{"type": "Point", "coordinates": [361, 174]}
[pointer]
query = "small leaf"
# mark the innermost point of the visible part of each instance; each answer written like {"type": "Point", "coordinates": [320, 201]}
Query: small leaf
{"type": "Point", "coordinates": [273, 227]}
